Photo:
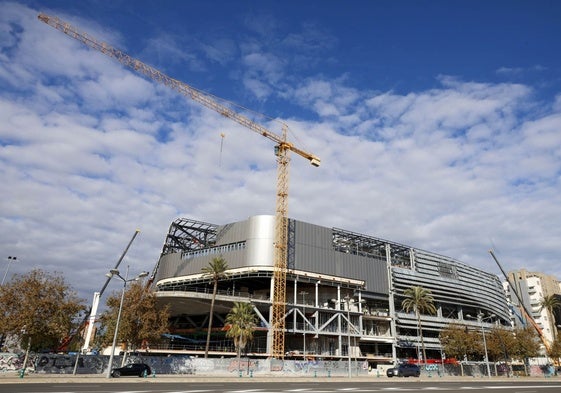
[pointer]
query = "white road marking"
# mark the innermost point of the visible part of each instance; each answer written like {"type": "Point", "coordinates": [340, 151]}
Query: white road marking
{"type": "Point", "coordinates": [547, 386]}
{"type": "Point", "coordinates": [193, 391]}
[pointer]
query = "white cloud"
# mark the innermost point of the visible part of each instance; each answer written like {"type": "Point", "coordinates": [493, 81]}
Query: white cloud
{"type": "Point", "coordinates": [259, 89]}
{"type": "Point", "coordinates": [326, 98]}
{"type": "Point", "coordinates": [170, 50]}
{"type": "Point", "coordinates": [90, 151]}
{"type": "Point", "coordinates": [220, 50]}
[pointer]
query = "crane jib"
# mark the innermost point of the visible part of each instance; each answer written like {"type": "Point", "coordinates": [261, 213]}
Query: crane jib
{"type": "Point", "coordinates": [209, 101]}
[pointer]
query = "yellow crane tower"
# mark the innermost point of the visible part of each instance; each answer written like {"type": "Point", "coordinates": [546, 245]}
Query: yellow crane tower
{"type": "Point", "coordinates": [282, 148]}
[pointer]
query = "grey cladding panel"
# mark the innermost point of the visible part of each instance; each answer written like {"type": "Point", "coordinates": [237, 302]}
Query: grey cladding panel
{"type": "Point", "coordinates": [314, 253]}
{"type": "Point", "coordinates": [313, 235]}
{"type": "Point", "coordinates": [168, 266]}
{"type": "Point", "coordinates": [372, 271]}
{"type": "Point", "coordinates": [315, 260]}
{"type": "Point", "coordinates": [172, 265]}
{"type": "Point", "coordinates": [232, 233]}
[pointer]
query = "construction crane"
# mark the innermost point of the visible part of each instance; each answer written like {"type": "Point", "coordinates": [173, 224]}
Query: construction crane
{"type": "Point", "coordinates": [521, 305]}
{"type": "Point", "coordinates": [282, 149]}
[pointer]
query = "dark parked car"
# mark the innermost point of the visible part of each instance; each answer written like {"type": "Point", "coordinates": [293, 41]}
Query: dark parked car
{"type": "Point", "coordinates": [136, 369]}
{"type": "Point", "coordinates": [404, 370]}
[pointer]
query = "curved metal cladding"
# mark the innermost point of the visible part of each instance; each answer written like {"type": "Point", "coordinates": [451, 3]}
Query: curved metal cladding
{"type": "Point", "coordinates": [243, 244]}
{"type": "Point", "coordinates": [249, 244]}
{"type": "Point", "coordinates": [260, 241]}
{"type": "Point", "coordinates": [453, 284]}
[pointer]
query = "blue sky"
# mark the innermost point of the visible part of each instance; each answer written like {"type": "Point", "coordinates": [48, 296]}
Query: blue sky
{"type": "Point", "coordinates": [437, 122]}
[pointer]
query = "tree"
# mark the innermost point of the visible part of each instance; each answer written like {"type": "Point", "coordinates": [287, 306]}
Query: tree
{"type": "Point", "coordinates": [39, 308]}
{"type": "Point", "coordinates": [241, 322]}
{"type": "Point", "coordinates": [526, 344]}
{"type": "Point", "coordinates": [500, 342]}
{"type": "Point", "coordinates": [555, 350]}
{"type": "Point", "coordinates": [216, 271]}
{"type": "Point", "coordinates": [419, 300]}
{"type": "Point", "coordinates": [457, 341]}
{"type": "Point", "coordinates": [141, 320]}
{"type": "Point", "coordinates": [551, 303]}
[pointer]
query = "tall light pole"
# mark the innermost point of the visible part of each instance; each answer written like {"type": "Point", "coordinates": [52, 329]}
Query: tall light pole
{"type": "Point", "coordinates": [10, 260]}
{"type": "Point", "coordinates": [304, 293]}
{"type": "Point", "coordinates": [480, 320]}
{"type": "Point", "coordinates": [115, 273]}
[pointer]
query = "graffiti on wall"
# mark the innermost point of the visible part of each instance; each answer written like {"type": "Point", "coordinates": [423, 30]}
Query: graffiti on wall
{"type": "Point", "coordinates": [10, 361]}
{"type": "Point", "coordinates": [176, 364]}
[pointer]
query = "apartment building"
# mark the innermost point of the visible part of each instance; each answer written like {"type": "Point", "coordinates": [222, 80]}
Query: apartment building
{"type": "Point", "coordinates": [532, 287]}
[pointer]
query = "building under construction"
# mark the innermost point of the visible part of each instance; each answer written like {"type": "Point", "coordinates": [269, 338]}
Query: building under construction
{"type": "Point", "coordinates": [330, 292]}
{"type": "Point", "coordinates": [343, 291]}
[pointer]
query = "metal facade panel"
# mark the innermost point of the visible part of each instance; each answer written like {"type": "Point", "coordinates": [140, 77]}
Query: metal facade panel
{"type": "Point", "coordinates": [168, 266]}
{"type": "Point", "coordinates": [173, 265]}
{"type": "Point", "coordinates": [315, 253]}
{"type": "Point", "coordinates": [453, 282]}
{"type": "Point", "coordinates": [260, 239]}
{"type": "Point", "coordinates": [231, 233]}
{"type": "Point", "coordinates": [258, 233]}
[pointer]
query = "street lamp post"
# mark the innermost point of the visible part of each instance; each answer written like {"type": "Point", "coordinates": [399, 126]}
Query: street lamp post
{"type": "Point", "coordinates": [115, 273]}
{"type": "Point", "coordinates": [10, 260]}
{"type": "Point", "coordinates": [480, 320]}
{"type": "Point", "coordinates": [304, 293]}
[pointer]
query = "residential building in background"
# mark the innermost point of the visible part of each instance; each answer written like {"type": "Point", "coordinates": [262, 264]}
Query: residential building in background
{"type": "Point", "coordinates": [344, 291]}
{"type": "Point", "coordinates": [532, 287]}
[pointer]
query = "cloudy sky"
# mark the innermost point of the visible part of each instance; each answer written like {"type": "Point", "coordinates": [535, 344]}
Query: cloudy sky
{"type": "Point", "coordinates": [438, 125]}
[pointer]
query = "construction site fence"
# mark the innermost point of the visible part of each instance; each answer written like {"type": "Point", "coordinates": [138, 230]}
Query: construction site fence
{"type": "Point", "coordinates": [249, 367]}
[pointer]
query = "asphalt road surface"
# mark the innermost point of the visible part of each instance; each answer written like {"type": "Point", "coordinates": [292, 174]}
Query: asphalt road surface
{"type": "Point", "coordinates": [148, 386]}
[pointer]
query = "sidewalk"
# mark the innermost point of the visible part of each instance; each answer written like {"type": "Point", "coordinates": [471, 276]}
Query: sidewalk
{"type": "Point", "coordinates": [13, 377]}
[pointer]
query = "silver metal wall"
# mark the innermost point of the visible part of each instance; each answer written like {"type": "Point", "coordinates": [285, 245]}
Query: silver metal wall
{"type": "Point", "coordinates": [315, 253]}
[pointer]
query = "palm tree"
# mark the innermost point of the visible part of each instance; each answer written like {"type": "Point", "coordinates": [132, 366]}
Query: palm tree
{"type": "Point", "coordinates": [551, 303]}
{"type": "Point", "coordinates": [241, 321]}
{"type": "Point", "coordinates": [419, 300]}
{"type": "Point", "coordinates": [215, 270]}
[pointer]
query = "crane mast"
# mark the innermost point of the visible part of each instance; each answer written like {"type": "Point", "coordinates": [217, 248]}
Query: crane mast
{"type": "Point", "coordinates": [282, 149]}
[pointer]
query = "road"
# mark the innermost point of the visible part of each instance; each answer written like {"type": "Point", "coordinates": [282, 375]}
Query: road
{"type": "Point", "coordinates": [151, 386]}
